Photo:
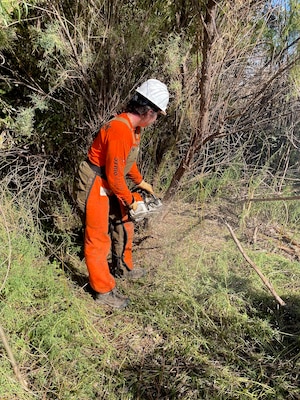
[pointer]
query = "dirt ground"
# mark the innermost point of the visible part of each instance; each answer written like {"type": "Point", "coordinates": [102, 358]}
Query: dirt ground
{"type": "Point", "coordinates": [179, 224]}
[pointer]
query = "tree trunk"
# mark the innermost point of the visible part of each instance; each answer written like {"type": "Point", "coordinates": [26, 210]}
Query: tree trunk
{"type": "Point", "coordinates": [205, 97]}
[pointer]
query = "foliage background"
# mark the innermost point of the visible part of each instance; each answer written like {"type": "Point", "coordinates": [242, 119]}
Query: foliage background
{"type": "Point", "coordinates": [205, 327]}
{"type": "Point", "coordinates": [68, 66]}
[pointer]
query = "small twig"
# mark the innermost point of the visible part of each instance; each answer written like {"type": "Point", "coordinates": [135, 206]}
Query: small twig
{"type": "Point", "coordinates": [12, 359]}
{"type": "Point", "coordinates": [262, 277]}
{"type": "Point", "coordinates": [9, 249]}
{"type": "Point", "coordinates": [255, 235]}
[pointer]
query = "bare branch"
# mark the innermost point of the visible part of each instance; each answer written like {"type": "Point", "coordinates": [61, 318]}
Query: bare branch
{"type": "Point", "coordinates": [12, 359]}
{"type": "Point", "coordinates": [9, 249]}
{"type": "Point", "coordinates": [255, 267]}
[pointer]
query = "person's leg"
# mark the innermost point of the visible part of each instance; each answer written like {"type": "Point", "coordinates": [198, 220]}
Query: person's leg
{"type": "Point", "coordinates": [118, 237]}
{"type": "Point", "coordinates": [122, 234]}
{"type": "Point", "coordinates": [97, 240]}
{"type": "Point", "coordinates": [131, 272]}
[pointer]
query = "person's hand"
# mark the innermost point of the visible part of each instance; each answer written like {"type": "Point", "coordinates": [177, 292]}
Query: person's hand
{"type": "Point", "coordinates": [146, 186]}
{"type": "Point", "coordinates": [133, 206]}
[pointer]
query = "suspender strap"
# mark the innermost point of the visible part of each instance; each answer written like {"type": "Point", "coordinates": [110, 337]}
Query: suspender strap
{"type": "Point", "coordinates": [99, 170]}
{"type": "Point", "coordinates": [124, 120]}
{"type": "Point", "coordinates": [127, 123]}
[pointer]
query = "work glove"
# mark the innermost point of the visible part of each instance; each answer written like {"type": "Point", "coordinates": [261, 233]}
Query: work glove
{"type": "Point", "coordinates": [136, 197]}
{"type": "Point", "coordinates": [146, 186]}
{"type": "Point", "coordinates": [133, 206]}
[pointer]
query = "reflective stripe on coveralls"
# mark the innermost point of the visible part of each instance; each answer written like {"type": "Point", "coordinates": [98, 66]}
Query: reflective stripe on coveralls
{"type": "Point", "coordinates": [97, 238]}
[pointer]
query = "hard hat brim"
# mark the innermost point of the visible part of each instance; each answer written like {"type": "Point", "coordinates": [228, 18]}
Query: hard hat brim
{"type": "Point", "coordinates": [151, 104]}
{"type": "Point", "coordinates": [156, 93]}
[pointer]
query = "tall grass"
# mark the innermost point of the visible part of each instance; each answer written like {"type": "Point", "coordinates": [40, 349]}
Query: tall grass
{"type": "Point", "coordinates": [200, 326]}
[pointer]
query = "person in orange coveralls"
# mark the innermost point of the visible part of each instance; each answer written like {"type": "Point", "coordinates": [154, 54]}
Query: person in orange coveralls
{"type": "Point", "coordinates": [112, 157]}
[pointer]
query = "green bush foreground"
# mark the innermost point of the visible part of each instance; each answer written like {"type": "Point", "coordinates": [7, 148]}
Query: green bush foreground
{"type": "Point", "coordinates": [200, 327]}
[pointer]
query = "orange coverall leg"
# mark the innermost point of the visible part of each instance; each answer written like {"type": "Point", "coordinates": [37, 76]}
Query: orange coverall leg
{"type": "Point", "coordinates": [97, 240]}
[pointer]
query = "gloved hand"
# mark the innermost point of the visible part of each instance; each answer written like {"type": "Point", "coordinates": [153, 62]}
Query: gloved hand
{"type": "Point", "coordinates": [136, 197]}
{"type": "Point", "coordinates": [133, 206]}
{"type": "Point", "coordinates": [146, 186]}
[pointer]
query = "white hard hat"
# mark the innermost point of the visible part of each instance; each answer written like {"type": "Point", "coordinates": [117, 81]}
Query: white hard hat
{"type": "Point", "coordinates": [156, 92]}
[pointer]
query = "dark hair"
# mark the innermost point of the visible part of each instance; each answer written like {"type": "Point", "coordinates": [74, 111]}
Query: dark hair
{"type": "Point", "coordinates": [140, 105]}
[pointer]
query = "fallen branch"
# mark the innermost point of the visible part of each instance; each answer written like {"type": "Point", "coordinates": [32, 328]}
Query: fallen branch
{"type": "Point", "coordinates": [287, 238]}
{"type": "Point", "coordinates": [290, 251]}
{"type": "Point", "coordinates": [276, 198]}
{"type": "Point", "coordinates": [262, 277]}
{"type": "Point", "coordinates": [12, 359]}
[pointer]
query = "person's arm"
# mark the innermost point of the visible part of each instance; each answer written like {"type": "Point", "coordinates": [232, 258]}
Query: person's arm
{"type": "Point", "coordinates": [134, 174]}
{"type": "Point", "coordinates": [118, 148]}
{"type": "Point", "coordinates": [136, 177]}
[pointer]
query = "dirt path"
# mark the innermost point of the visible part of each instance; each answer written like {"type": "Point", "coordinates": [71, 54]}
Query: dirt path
{"type": "Point", "coordinates": [173, 231]}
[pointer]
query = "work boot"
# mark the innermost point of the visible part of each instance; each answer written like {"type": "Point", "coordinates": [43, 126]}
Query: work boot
{"type": "Point", "coordinates": [113, 299]}
{"type": "Point", "coordinates": [135, 273]}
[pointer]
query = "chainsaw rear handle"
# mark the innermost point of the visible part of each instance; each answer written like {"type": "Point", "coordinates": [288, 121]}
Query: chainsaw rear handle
{"type": "Point", "coordinates": [140, 213]}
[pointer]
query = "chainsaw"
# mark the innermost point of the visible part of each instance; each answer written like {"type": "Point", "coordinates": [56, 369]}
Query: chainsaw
{"type": "Point", "coordinates": [147, 205]}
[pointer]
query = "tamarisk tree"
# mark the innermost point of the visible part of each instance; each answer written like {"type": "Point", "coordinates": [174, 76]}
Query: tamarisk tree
{"type": "Point", "coordinates": [240, 83]}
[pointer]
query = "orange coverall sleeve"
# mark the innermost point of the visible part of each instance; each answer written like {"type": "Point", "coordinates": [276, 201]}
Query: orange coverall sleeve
{"type": "Point", "coordinates": [134, 174]}
{"type": "Point", "coordinates": [118, 148]}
